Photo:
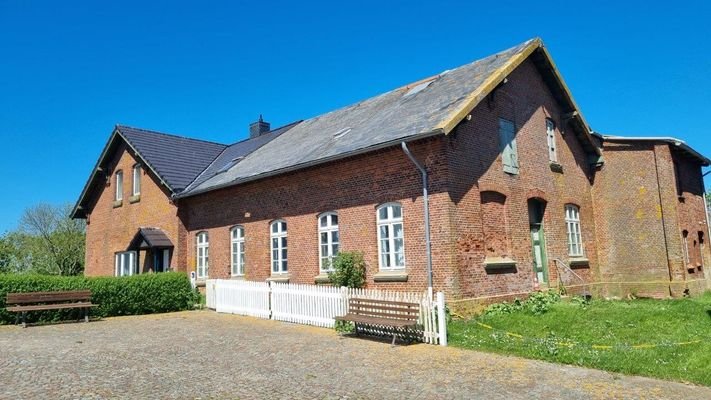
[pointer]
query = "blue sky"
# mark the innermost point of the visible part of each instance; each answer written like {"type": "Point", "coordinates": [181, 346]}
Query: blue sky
{"type": "Point", "coordinates": [70, 71]}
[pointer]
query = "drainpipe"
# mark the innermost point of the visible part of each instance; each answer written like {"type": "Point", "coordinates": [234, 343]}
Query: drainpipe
{"type": "Point", "coordinates": [664, 225]}
{"type": "Point", "coordinates": [426, 204]}
{"type": "Point", "coordinates": [706, 209]}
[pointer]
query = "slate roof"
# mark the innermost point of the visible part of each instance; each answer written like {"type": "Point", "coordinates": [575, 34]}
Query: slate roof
{"type": "Point", "coordinates": [235, 152]}
{"type": "Point", "coordinates": [403, 114]}
{"type": "Point", "coordinates": [176, 160]}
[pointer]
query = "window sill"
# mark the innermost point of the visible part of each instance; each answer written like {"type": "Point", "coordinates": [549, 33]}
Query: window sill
{"type": "Point", "coordinates": [281, 278]}
{"type": "Point", "coordinates": [556, 167]}
{"type": "Point", "coordinates": [499, 264]}
{"type": "Point", "coordinates": [322, 278]}
{"type": "Point", "coordinates": [200, 282]}
{"type": "Point", "coordinates": [118, 203]}
{"type": "Point", "coordinates": [390, 276]}
{"type": "Point", "coordinates": [134, 199]}
{"type": "Point", "coordinates": [579, 262]}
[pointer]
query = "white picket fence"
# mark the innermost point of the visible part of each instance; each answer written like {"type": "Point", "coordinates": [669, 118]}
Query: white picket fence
{"type": "Point", "coordinates": [318, 305]}
{"type": "Point", "coordinates": [243, 298]}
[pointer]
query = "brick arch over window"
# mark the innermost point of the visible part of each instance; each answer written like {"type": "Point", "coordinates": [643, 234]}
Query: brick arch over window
{"type": "Point", "coordinates": [495, 224]}
{"type": "Point", "coordinates": [537, 194]}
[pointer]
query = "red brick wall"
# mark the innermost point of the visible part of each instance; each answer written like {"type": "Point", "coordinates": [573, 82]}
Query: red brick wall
{"type": "Point", "coordinates": [354, 188]}
{"type": "Point", "coordinates": [640, 216]}
{"type": "Point", "coordinates": [110, 229]}
{"type": "Point", "coordinates": [476, 167]}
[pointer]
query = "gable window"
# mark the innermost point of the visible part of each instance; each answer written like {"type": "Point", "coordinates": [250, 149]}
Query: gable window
{"type": "Point", "coordinates": [550, 132]}
{"type": "Point", "coordinates": [203, 255]}
{"type": "Point", "coordinates": [328, 239]}
{"type": "Point", "coordinates": [237, 251]}
{"type": "Point", "coordinates": [572, 223]}
{"type": "Point", "coordinates": [391, 238]}
{"type": "Point", "coordinates": [119, 186]}
{"type": "Point", "coordinates": [279, 252]}
{"type": "Point", "coordinates": [136, 190]}
{"type": "Point", "coordinates": [507, 146]}
{"type": "Point", "coordinates": [126, 263]}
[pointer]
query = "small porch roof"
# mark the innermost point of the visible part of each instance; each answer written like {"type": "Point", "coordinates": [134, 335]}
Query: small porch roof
{"type": "Point", "coordinates": [150, 238]}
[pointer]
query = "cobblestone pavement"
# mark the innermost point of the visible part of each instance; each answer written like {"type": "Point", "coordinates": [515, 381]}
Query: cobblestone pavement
{"type": "Point", "coordinates": [204, 355]}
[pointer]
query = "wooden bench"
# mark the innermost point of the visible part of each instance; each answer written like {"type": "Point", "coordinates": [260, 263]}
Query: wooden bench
{"type": "Point", "coordinates": [382, 313]}
{"type": "Point", "coordinates": [21, 303]}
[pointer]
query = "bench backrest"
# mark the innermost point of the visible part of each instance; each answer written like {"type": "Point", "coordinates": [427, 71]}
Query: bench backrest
{"type": "Point", "coordinates": [384, 309]}
{"type": "Point", "coordinates": [48, 297]}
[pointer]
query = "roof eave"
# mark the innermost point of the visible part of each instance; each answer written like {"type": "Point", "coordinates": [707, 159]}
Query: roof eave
{"type": "Point", "coordinates": [380, 146]}
{"type": "Point", "coordinates": [499, 75]}
{"type": "Point", "coordinates": [664, 139]}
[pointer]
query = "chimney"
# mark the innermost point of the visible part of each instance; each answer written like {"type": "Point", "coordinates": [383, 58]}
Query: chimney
{"type": "Point", "coordinates": [258, 128]}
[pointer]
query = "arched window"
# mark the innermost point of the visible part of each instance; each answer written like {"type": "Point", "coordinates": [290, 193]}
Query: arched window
{"type": "Point", "coordinates": [237, 250]}
{"type": "Point", "coordinates": [279, 249]}
{"type": "Point", "coordinates": [572, 223]}
{"type": "Point", "coordinates": [119, 186]}
{"type": "Point", "coordinates": [328, 239]}
{"type": "Point", "coordinates": [203, 255]}
{"type": "Point", "coordinates": [391, 237]}
{"type": "Point", "coordinates": [136, 188]}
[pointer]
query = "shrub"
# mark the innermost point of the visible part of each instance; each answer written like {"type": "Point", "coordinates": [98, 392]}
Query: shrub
{"type": "Point", "coordinates": [348, 270]}
{"type": "Point", "coordinates": [131, 295]}
{"type": "Point", "coordinates": [537, 303]}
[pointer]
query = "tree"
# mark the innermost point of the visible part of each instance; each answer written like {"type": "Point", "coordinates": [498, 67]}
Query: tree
{"type": "Point", "coordinates": [49, 241]}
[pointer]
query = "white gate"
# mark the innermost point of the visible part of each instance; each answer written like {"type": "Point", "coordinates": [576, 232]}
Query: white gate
{"type": "Point", "coordinates": [318, 305]}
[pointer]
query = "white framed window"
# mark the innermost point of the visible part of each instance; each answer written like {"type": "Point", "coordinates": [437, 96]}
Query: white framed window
{"type": "Point", "coordinates": [119, 186]}
{"type": "Point", "coordinates": [136, 189]}
{"type": "Point", "coordinates": [203, 255]}
{"type": "Point", "coordinates": [391, 238]}
{"type": "Point", "coordinates": [278, 246]}
{"type": "Point", "coordinates": [572, 223]}
{"type": "Point", "coordinates": [550, 133]}
{"type": "Point", "coordinates": [237, 250]}
{"type": "Point", "coordinates": [328, 240]}
{"type": "Point", "coordinates": [126, 263]}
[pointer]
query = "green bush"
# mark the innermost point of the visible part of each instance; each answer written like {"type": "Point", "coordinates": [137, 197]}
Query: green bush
{"type": "Point", "coordinates": [348, 270]}
{"type": "Point", "coordinates": [537, 303]}
{"type": "Point", "coordinates": [130, 295]}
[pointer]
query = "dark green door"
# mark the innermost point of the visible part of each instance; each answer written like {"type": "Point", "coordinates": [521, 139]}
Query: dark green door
{"type": "Point", "coordinates": [536, 209]}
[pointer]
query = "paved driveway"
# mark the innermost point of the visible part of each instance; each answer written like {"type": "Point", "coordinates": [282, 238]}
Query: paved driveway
{"type": "Point", "coordinates": [205, 355]}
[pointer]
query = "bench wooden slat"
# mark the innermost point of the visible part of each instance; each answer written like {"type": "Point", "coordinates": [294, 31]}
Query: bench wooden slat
{"type": "Point", "coordinates": [362, 319]}
{"type": "Point", "coordinates": [415, 311]}
{"type": "Point", "coordinates": [381, 314]}
{"type": "Point", "coordinates": [42, 297]}
{"type": "Point", "coordinates": [385, 302]}
{"type": "Point", "coordinates": [41, 307]}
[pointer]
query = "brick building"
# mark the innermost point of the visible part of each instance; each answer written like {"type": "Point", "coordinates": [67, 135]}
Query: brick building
{"type": "Point", "coordinates": [521, 193]}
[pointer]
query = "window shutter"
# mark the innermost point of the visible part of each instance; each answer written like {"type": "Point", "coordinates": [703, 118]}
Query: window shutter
{"type": "Point", "coordinates": [509, 151]}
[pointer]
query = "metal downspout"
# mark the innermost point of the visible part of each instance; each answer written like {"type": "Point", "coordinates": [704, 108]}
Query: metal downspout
{"type": "Point", "coordinates": [426, 203]}
{"type": "Point", "coordinates": [708, 219]}
{"type": "Point", "coordinates": [664, 225]}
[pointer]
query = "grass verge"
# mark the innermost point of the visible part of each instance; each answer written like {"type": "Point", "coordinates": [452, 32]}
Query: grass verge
{"type": "Point", "coordinates": [636, 337]}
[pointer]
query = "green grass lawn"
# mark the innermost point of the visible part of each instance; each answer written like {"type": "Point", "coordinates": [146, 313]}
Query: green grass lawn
{"type": "Point", "coordinates": [568, 332]}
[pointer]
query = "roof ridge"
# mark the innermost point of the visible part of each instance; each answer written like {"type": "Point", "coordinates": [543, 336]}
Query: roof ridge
{"type": "Point", "coordinates": [266, 133]}
{"type": "Point", "coordinates": [119, 126]}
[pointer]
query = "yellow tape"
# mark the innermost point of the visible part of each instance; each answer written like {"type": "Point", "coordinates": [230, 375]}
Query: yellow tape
{"type": "Point", "coordinates": [485, 325]}
{"type": "Point", "coordinates": [516, 335]}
